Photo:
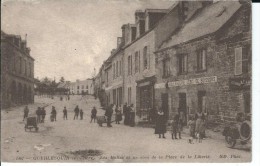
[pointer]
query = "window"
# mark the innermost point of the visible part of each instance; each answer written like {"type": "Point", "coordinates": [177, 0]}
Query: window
{"type": "Point", "coordinates": [113, 70]}
{"type": "Point", "coordinates": [241, 60]}
{"type": "Point", "coordinates": [86, 87]}
{"type": "Point", "coordinates": [129, 95]}
{"type": "Point", "coordinates": [107, 77]}
{"type": "Point", "coordinates": [130, 65]}
{"type": "Point", "coordinates": [120, 67]}
{"type": "Point", "coordinates": [166, 68]}
{"type": "Point", "coordinates": [137, 67]}
{"type": "Point", "coordinates": [182, 60]}
{"type": "Point", "coordinates": [20, 65]}
{"type": "Point", "coordinates": [116, 68]}
{"type": "Point", "coordinates": [30, 69]}
{"type": "Point", "coordinates": [78, 87]}
{"type": "Point", "coordinates": [201, 60]}
{"type": "Point", "coordinates": [14, 64]}
{"type": "Point", "coordinates": [25, 67]}
{"type": "Point", "coordinates": [145, 56]}
{"type": "Point", "coordinates": [82, 86]}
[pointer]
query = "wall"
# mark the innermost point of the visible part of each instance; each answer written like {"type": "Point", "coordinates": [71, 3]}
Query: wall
{"type": "Point", "coordinates": [222, 102]}
{"type": "Point", "coordinates": [130, 80]}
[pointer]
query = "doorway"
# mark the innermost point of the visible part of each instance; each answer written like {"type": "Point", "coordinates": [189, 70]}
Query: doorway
{"type": "Point", "coordinates": [183, 106]}
{"type": "Point", "coordinates": [165, 105]}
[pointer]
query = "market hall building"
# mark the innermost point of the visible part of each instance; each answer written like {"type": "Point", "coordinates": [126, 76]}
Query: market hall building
{"type": "Point", "coordinates": [17, 71]}
{"type": "Point", "coordinates": [206, 64]}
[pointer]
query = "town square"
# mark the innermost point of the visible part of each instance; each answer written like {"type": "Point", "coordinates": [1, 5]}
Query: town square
{"type": "Point", "coordinates": [126, 81]}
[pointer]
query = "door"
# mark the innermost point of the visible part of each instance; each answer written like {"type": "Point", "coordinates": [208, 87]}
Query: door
{"type": "Point", "coordinates": [165, 105]}
{"type": "Point", "coordinates": [183, 106]}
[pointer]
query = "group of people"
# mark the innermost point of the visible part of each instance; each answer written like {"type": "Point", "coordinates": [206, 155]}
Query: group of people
{"type": "Point", "coordinates": [129, 113]}
{"type": "Point", "coordinates": [41, 113]}
{"type": "Point", "coordinates": [196, 125]}
{"type": "Point", "coordinates": [78, 112]}
{"type": "Point", "coordinates": [118, 114]}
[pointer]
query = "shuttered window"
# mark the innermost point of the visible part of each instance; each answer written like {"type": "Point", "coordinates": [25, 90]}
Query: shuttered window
{"type": "Point", "coordinates": [241, 60]}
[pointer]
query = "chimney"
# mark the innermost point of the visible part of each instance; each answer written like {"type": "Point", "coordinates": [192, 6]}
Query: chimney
{"type": "Point", "coordinates": [189, 8]}
{"type": "Point", "coordinates": [140, 22]}
{"type": "Point", "coordinates": [119, 41]}
{"type": "Point", "coordinates": [128, 33]}
{"type": "Point", "coordinates": [113, 51]}
{"type": "Point", "coordinates": [153, 16]}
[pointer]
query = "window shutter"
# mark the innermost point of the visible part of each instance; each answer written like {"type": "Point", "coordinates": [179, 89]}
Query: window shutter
{"type": "Point", "coordinates": [185, 63]}
{"type": "Point", "coordinates": [238, 61]}
{"type": "Point", "coordinates": [204, 59]}
{"type": "Point", "coordinates": [148, 57]}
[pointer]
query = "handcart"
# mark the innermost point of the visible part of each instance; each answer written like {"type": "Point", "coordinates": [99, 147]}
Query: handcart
{"type": "Point", "coordinates": [31, 122]}
{"type": "Point", "coordinates": [103, 119]}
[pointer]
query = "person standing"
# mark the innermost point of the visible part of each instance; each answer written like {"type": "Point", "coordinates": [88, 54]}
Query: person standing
{"type": "Point", "coordinates": [200, 124]}
{"type": "Point", "coordinates": [25, 112]}
{"type": "Point", "coordinates": [65, 112]}
{"type": "Point", "coordinates": [81, 114]}
{"type": "Point", "coordinates": [160, 127]}
{"type": "Point", "coordinates": [54, 113]}
{"type": "Point", "coordinates": [93, 114]}
{"type": "Point", "coordinates": [126, 114]}
{"type": "Point", "coordinates": [76, 110]}
{"type": "Point", "coordinates": [108, 114]}
{"type": "Point", "coordinates": [38, 113]}
{"type": "Point", "coordinates": [43, 114]}
{"type": "Point", "coordinates": [118, 114]}
{"type": "Point", "coordinates": [192, 124]}
{"type": "Point", "coordinates": [132, 115]}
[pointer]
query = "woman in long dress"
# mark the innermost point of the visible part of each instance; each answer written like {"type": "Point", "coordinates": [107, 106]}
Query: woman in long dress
{"type": "Point", "coordinates": [160, 127]}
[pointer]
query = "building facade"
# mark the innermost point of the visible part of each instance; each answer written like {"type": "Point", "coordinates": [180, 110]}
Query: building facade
{"type": "Point", "coordinates": [152, 27]}
{"type": "Point", "coordinates": [209, 70]}
{"type": "Point", "coordinates": [17, 71]}
{"type": "Point", "coordinates": [193, 57]}
{"type": "Point", "coordinates": [85, 87]}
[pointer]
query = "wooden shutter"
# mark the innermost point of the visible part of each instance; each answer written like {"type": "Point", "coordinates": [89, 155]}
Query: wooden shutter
{"type": "Point", "coordinates": [204, 59]}
{"type": "Point", "coordinates": [148, 57]}
{"type": "Point", "coordinates": [238, 61]}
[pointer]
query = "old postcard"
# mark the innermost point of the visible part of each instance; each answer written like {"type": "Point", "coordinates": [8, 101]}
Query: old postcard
{"type": "Point", "coordinates": [120, 81]}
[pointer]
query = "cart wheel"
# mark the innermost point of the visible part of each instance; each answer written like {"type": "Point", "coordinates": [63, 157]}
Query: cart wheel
{"type": "Point", "coordinates": [36, 129]}
{"type": "Point", "coordinates": [230, 142]}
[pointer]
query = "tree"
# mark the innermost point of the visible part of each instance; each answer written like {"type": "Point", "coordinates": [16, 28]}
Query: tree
{"type": "Point", "coordinates": [62, 79]}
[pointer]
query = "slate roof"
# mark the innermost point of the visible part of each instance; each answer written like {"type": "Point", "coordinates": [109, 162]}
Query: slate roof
{"type": "Point", "coordinates": [207, 21]}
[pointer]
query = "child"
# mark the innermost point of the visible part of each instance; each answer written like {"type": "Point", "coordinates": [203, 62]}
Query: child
{"type": "Point", "coordinates": [81, 114]}
{"type": "Point", "coordinates": [176, 127]}
{"type": "Point", "coordinates": [191, 125]}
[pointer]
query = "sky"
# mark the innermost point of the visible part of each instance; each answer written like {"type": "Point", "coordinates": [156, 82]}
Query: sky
{"type": "Point", "coordinates": [70, 38]}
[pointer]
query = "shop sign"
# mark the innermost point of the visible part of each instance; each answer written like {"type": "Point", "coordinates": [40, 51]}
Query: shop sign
{"type": "Point", "coordinates": [239, 83]}
{"type": "Point", "coordinates": [159, 86]}
{"type": "Point", "coordinates": [194, 81]}
{"type": "Point", "coordinates": [143, 84]}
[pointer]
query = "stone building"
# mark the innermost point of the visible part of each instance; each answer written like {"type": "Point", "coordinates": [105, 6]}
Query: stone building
{"type": "Point", "coordinates": [17, 71]}
{"type": "Point", "coordinates": [206, 64]}
{"type": "Point", "coordinates": [85, 87]}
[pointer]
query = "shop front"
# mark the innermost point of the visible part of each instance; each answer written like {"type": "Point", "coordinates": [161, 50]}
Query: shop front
{"type": "Point", "coordinates": [145, 99]}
